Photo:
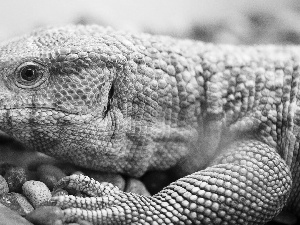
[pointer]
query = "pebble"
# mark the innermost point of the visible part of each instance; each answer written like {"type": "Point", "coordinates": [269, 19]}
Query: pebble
{"type": "Point", "coordinates": [50, 174]}
{"type": "Point", "coordinates": [37, 192]}
{"type": "Point", "coordinates": [8, 216]}
{"type": "Point", "coordinates": [16, 202]}
{"type": "Point", "coordinates": [3, 186]}
{"type": "Point", "coordinates": [136, 186]}
{"type": "Point", "coordinates": [49, 180]}
{"type": "Point", "coordinates": [46, 215]}
{"type": "Point", "coordinates": [15, 177]}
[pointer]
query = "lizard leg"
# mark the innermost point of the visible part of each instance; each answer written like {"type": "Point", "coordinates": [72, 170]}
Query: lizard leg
{"type": "Point", "coordinates": [248, 183]}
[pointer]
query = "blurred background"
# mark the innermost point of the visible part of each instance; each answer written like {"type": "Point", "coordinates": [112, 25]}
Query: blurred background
{"type": "Point", "coordinates": [219, 21]}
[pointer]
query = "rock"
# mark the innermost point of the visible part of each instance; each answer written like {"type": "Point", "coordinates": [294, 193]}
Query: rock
{"type": "Point", "coordinates": [50, 174]}
{"type": "Point", "coordinates": [16, 202]}
{"type": "Point", "coordinates": [9, 217]}
{"type": "Point", "coordinates": [37, 192]}
{"type": "Point", "coordinates": [15, 177]}
{"type": "Point", "coordinates": [46, 215]}
{"type": "Point", "coordinates": [136, 186]}
{"type": "Point", "coordinates": [24, 203]}
{"type": "Point", "coordinates": [3, 186]}
{"type": "Point", "coordinates": [49, 180]}
{"type": "Point", "coordinates": [115, 179]}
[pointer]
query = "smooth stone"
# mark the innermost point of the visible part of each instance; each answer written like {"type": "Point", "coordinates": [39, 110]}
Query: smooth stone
{"type": "Point", "coordinates": [9, 217]}
{"type": "Point", "coordinates": [15, 177]}
{"type": "Point", "coordinates": [16, 202]}
{"type": "Point", "coordinates": [50, 174]}
{"type": "Point", "coordinates": [3, 186]}
{"type": "Point", "coordinates": [46, 215]}
{"type": "Point", "coordinates": [37, 192]}
{"type": "Point", "coordinates": [136, 186]}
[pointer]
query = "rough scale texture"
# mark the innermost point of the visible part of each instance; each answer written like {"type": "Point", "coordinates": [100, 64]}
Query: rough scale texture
{"type": "Point", "coordinates": [129, 103]}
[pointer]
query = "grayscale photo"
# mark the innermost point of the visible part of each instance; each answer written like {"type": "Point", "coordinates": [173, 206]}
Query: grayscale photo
{"type": "Point", "coordinates": [161, 112]}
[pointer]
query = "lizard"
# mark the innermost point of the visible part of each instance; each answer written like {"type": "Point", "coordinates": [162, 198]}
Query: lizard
{"type": "Point", "coordinates": [225, 116]}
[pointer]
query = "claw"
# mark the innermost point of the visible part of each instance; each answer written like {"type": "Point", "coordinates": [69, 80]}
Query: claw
{"type": "Point", "coordinates": [86, 185]}
{"type": "Point", "coordinates": [107, 205]}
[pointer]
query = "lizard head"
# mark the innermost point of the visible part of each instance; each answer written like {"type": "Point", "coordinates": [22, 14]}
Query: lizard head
{"type": "Point", "coordinates": [97, 98]}
{"type": "Point", "coordinates": [57, 94]}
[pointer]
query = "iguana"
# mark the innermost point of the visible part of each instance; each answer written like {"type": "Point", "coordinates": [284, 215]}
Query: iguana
{"type": "Point", "coordinates": [226, 116]}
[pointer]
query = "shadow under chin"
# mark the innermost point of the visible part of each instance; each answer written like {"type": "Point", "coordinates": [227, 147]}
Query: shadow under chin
{"type": "Point", "coordinates": [9, 142]}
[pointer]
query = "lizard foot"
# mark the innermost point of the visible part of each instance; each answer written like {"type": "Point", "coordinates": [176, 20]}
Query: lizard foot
{"type": "Point", "coordinates": [249, 183]}
{"type": "Point", "coordinates": [103, 203]}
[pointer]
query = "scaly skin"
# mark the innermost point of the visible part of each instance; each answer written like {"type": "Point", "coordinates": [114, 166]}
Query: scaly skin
{"type": "Point", "coordinates": [129, 103]}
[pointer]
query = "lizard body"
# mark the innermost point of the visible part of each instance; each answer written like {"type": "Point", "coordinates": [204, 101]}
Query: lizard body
{"type": "Point", "coordinates": [129, 103]}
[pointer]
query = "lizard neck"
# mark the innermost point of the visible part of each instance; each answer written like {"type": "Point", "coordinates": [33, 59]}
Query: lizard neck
{"type": "Point", "coordinates": [253, 90]}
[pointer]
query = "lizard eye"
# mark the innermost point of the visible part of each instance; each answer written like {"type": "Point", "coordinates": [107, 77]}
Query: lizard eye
{"type": "Point", "coordinates": [30, 75]}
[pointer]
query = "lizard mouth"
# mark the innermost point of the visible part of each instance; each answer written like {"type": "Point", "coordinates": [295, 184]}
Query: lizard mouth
{"type": "Point", "coordinates": [36, 109]}
{"type": "Point", "coordinates": [14, 118]}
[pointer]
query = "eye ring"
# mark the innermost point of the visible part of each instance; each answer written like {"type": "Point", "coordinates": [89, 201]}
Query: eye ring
{"type": "Point", "coordinates": [30, 75]}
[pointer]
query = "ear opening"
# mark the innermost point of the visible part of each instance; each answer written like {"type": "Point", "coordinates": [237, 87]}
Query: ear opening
{"type": "Point", "coordinates": [110, 98]}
